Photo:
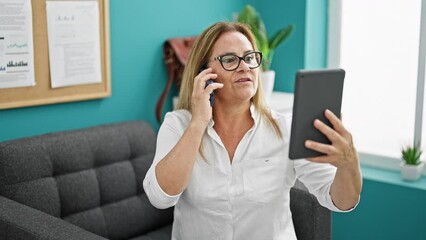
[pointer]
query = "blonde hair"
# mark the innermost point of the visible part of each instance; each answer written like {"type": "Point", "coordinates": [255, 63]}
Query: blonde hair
{"type": "Point", "coordinates": [199, 55]}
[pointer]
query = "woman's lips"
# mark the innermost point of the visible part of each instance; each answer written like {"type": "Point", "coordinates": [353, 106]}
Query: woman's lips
{"type": "Point", "coordinates": [242, 80]}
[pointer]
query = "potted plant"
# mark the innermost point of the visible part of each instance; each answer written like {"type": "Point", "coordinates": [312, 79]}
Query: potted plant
{"type": "Point", "coordinates": [266, 45]}
{"type": "Point", "coordinates": [411, 166]}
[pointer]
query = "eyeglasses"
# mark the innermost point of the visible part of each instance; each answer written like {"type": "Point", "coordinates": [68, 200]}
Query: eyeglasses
{"type": "Point", "coordinates": [230, 61]}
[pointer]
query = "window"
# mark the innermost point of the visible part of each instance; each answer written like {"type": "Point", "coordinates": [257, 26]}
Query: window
{"type": "Point", "coordinates": [377, 42]}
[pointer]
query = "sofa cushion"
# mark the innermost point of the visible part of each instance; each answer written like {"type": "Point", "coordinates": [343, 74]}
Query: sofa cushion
{"type": "Point", "coordinates": [160, 234]}
{"type": "Point", "coordinates": [90, 177]}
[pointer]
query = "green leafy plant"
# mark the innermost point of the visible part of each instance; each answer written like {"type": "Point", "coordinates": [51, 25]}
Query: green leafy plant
{"type": "Point", "coordinates": [267, 46]}
{"type": "Point", "coordinates": [411, 154]}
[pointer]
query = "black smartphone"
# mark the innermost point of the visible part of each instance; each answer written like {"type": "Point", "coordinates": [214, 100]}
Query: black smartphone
{"type": "Point", "coordinates": [210, 81]}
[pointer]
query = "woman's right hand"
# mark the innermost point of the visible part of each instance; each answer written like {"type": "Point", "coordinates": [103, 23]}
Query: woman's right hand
{"type": "Point", "coordinates": [200, 104]}
{"type": "Point", "coordinates": [173, 171]}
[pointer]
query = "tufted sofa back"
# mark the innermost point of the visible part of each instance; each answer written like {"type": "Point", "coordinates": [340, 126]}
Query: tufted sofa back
{"type": "Point", "coordinates": [91, 178]}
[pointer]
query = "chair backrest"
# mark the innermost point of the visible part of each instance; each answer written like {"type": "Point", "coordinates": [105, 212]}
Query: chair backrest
{"type": "Point", "coordinates": [311, 220]}
{"type": "Point", "coordinates": [90, 177]}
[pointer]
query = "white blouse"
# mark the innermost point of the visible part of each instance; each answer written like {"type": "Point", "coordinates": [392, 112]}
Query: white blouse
{"type": "Point", "coordinates": [243, 200]}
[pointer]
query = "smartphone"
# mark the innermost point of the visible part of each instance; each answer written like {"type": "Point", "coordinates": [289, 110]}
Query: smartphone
{"type": "Point", "coordinates": [210, 81]}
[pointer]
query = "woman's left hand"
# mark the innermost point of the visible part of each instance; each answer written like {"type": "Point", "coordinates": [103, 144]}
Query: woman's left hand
{"type": "Point", "coordinates": [341, 152]}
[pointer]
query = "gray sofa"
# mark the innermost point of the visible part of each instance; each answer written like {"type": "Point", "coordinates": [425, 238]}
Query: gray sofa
{"type": "Point", "coordinates": [87, 184]}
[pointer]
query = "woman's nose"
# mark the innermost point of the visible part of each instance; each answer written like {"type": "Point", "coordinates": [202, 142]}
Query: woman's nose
{"type": "Point", "coordinates": [243, 66]}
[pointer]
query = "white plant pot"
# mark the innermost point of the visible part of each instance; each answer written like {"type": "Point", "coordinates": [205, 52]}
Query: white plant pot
{"type": "Point", "coordinates": [268, 81]}
{"type": "Point", "coordinates": [411, 172]}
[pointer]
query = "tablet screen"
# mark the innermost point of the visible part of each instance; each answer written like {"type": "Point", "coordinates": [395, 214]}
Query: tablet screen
{"type": "Point", "coordinates": [315, 91]}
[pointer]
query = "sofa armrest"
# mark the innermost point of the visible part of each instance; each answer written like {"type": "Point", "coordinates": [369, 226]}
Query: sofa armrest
{"type": "Point", "coordinates": [20, 222]}
{"type": "Point", "coordinates": [311, 220]}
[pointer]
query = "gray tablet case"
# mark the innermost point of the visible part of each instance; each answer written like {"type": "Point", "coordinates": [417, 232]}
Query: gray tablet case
{"type": "Point", "coordinates": [315, 91]}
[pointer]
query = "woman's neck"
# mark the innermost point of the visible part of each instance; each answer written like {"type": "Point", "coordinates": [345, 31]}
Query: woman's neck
{"type": "Point", "coordinates": [232, 119]}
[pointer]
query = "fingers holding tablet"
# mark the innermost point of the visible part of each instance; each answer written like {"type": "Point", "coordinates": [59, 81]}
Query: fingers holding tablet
{"type": "Point", "coordinates": [341, 150]}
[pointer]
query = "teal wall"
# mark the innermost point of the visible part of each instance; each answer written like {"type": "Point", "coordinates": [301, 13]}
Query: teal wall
{"type": "Point", "coordinates": [386, 211]}
{"type": "Point", "coordinates": [316, 34]}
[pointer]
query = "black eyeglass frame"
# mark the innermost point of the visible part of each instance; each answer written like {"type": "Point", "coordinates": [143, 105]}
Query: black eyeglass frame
{"type": "Point", "coordinates": [219, 58]}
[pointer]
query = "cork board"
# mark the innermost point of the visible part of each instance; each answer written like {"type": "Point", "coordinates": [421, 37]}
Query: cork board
{"type": "Point", "coordinates": [42, 93]}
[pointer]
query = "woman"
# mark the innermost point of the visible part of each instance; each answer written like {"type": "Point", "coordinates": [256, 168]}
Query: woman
{"type": "Point", "coordinates": [225, 168]}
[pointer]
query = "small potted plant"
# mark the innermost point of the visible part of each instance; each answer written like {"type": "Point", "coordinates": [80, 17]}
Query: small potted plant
{"type": "Point", "coordinates": [411, 166]}
{"type": "Point", "coordinates": [265, 44]}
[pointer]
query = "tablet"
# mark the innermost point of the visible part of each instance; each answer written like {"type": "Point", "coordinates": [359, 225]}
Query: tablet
{"type": "Point", "coordinates": [315, 91]}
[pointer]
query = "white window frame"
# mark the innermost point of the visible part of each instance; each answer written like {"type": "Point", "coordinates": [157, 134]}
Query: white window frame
{"type": "Point", "coordinates": [333, 61]}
